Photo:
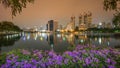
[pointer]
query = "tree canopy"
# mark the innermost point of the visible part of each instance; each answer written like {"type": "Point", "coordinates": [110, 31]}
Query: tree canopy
{"type": "Point", "coordinates": [8, 26]}
{"type": "Point", "coordinates": [16, 6]}
{"type": "Point", "coordinates": [111, 4]}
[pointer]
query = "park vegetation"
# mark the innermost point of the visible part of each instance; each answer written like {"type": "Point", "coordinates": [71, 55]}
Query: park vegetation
{"type": "Point", "coordinates": [6, 26]}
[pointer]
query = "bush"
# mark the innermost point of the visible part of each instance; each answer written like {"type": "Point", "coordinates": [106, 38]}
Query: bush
{"type": "Point", "coordinates": [81, 57]}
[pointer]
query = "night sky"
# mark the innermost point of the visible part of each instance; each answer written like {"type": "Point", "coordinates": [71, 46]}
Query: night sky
{"type": "Point", "coordinates": [41, 11]}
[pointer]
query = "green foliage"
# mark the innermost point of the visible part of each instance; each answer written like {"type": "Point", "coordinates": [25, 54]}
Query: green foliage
{"type": "Point", "coordinates": [111, 4]}
{"type": "Point", "coordinates": [116, 20]}
{"type": "Point", "coordinates": [81, 57]}
{"type": "Point", "coordinates": [8, 26]}
{"type": "Point", "coordinates": [101, 30]}
{"type": "Point", "coordinates": [2, 59]}
{"type": "Point", "coordinates": [15, 5]}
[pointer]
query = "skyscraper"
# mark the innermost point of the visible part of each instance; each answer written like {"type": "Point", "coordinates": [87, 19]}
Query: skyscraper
{"type": "Point", "coordinates": [85, 18]}
{"type": "Point", "coordinates": [80, 19]}
{"type": "Point", "coordinates": [52, 25]}
{"type": "Point", "coordinates": [73, 21]}
{"type": "Point", "coordinates": [85, 21]}
{"type": "Point", "coordinates": [89, 16]}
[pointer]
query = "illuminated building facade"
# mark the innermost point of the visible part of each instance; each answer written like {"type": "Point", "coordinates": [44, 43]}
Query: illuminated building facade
{"type": "Point", "coordinates": [52, 25]}
{"type": "Point", "coordinates": [85, 21]}
{"type": "Point", "coordinates": [71, 26]}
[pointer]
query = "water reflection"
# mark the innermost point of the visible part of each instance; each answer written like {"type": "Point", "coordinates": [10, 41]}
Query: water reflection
{"type": "Point", "coordinates": [57, 42]}
{"type": "Point", "coordinates": [9, 40]}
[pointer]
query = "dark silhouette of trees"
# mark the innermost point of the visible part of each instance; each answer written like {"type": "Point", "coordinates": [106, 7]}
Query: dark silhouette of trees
{"type": "Point", "coordinates": [113, 5]}
{"type": "Point", "coordinates": [8, 26]}
{"type": "Point", "coordinates": [15, 5]}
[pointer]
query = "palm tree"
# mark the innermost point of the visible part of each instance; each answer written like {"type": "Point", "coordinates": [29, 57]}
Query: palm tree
{"type": "Point", "coordinates": [15, 5]}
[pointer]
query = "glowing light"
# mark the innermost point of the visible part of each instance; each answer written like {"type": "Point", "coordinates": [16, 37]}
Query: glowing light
{"type": "Point", "coordinates": [71, 30]}
{"type": "Point", "coordinates": [43, 34]}
{"type": "Point", "coordinates": [100, 40]}
{"type": "Point", "coordinates": [28, 37]}
{"type": "Point", "coordinates": [81, 40]}
{"type": "Point", "coordinates": [7, 37]}
{"type": "Point", "coordinates": [71, 35]}
{"type": "Point", "coordinates": [58, 30]}
{"type": "Point", "coordinates": [108, 43]}
{"type": "Point", "coordinates": [58, 35]}
{"type": "Point", "coordinates": [41, 38]}
{"type": "Point", "coordinates": [100, 23]}
{"type": "Point", "coordinates": [62, 30]}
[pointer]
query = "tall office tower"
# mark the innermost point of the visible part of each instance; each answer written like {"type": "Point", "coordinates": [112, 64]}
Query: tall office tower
{"type": "Point", "coordinates": [80, 19]}
{"type": "Point", "coordinates": [73, 21]}
{"type": "Point", "coordinates": [85, 18]}
{"type": "Point", "coordinates": [89, 21]}
{"type": "Point", "coordinates": [55, 25]}
{"type": "Point", "coordinates": [52, 25]}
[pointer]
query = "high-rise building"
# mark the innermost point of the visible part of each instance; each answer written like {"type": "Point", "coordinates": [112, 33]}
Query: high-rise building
{"type": "Point", "coordinates": [80, 19]}
{"type": "Point", "coordinates": [73, 21]}
{"type": "Point", "coordinates": [85, 20]}
{"type": "Point", "coordinates": [52, 25]}
{"type": "Point", "coordinates": [89, 22]}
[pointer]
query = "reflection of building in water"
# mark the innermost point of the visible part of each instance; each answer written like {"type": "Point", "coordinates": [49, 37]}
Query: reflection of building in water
{"type": "Point", "coordinates": [101, 40]}
{"type": "Point", "coordinates": [52, 40]}
{"type": "Point", "coordinates": [71, 39]}
{"type": "Point", "coordinates": [8, 40]}
{"type": "Point", "coordinates": [28, 36]}
{"type": "Point", "coordinates": [83, 39]}
{"type": "Point", "coordinates": [52, 25]}
{"type": "Point", "coordinates": [34, 36]}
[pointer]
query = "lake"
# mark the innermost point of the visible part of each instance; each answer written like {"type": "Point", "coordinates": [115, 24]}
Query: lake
{"type": "Point", "coordinates": [57, 42]}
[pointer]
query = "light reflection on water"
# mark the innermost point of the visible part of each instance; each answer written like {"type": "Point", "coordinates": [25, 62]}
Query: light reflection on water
{"type": "Point", "coordinates": [56, 42]}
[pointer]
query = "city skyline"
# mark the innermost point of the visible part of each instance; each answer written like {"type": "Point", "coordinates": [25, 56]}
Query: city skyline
{"type": "Point", "coordinates": [41, 12]}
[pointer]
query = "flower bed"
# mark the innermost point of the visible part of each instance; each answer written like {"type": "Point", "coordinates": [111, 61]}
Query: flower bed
{"type": "Point", "coordinates": [81, 57]}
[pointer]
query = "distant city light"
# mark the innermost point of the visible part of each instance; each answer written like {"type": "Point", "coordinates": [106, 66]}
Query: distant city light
{"type": "Point", "coordinates": [81, 40]}
{"type": "Point", "coordinates": [100, 40]}
{"type": "Point", "coordinates": [100, 23]}
{"type": "Point", "coordinates": [41, 38]}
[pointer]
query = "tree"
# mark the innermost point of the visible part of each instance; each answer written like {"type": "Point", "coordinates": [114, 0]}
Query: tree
{"type": "Point", "coordinates": [8, 26]}
{"type": "Point", "coordinates": [15, 5]}
{"type": "Point", "coordinates": [113, 5]}
{"type": "Point", "coordinates": [116, 20]}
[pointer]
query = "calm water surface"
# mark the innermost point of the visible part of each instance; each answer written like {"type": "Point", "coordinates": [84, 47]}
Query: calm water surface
{"type": "Point", "coordinates": [56, 42]}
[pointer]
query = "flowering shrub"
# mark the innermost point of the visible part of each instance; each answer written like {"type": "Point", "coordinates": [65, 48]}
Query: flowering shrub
{"type": "Point", "coordinates": [81, 57]}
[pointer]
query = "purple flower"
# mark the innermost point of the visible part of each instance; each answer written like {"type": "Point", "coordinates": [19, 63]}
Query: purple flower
{"type": "Point", "coordinates": [110, 66]}
{"type": "Point", "coordinates": [51, 54]}
{"type": "Point", "coordinates": [66, 61]}
{"type": "Point", "coordinates": [88, 61]}
{"type": "Point", "coordinates": [8, 61]}
{"type": "Point", "coordinates": [108, 61]}
{"type": "Point", "coordinates": [59, 60]}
